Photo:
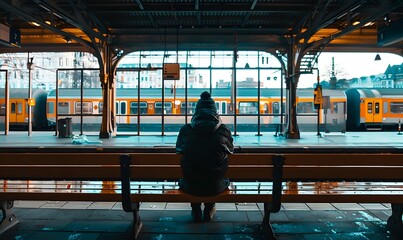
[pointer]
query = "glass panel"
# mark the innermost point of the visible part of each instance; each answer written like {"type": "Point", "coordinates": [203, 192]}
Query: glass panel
{"type": "Point", "coordinates": [248, 107]}
{"type": "Point", "coordinates": [246, 99]}
{"type": "Point", "coordinates": [63, 108]}
{"type": "Point", "coordinates": [19, 108]}
{"type": "Point", "coordinates": [100, 107]}
{"type": "Point", "coordinates": [222, 59]}
{"type": "Point", "coordinates": [191, 106]}
{"type": "Point", "coordinates": [377, 108]}
{"type": "Point", "coordinates": [134, 107]}
{"type": "Point", "coordinates": [370, 108]}
{"type": "Point", "coordinates": [123, 108]}
{"type": "Point", "coordinates": [87, 108]}
{"type": "Point", "coordinates": [12, 108]}
{"type": "Point", "coordinates": [199, 59]}
{"type": "Point", "coordinates": [167, 108]}
{"type": "Point", "coordinates": [50, 107]}
{"type": "Point", "coordinates": [305, 107]}
{"type": "Point", "coordinates": [396, 107]}
{"type": "Point", "coordinates": [247, 59]}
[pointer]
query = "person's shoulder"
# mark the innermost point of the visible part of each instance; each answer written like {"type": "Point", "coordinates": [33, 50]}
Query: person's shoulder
{"type": "Point", "coordinates": [224, 127]}
{"type": "Point", "coordinates": [186, 128]}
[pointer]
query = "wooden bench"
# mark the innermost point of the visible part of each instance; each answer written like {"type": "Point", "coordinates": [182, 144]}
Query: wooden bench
{"type": "Point", "coordinates": [97, 177]}
{"type": "Point", "coordinates": [306, 178]}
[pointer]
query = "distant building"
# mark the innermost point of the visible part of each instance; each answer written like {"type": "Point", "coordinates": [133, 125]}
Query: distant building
{"type": "Point", "coordinates": [393, 77]}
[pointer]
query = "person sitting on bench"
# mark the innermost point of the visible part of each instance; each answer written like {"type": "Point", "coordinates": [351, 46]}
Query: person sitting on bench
{"type": "Point", "coordinates": [204, 143]}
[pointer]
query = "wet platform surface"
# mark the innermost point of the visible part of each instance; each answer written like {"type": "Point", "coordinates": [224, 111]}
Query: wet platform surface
{"type": "Point", "coordinates": [100, 221]}
{"type": "Point", "coordinates": [309, 141]}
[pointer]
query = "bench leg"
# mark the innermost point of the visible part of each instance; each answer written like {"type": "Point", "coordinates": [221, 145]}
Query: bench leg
{"type": "Point", "coordinates": [9, 219]}
{"type": "Point", "coordinates": [137, 224]}
{"type": "Point", "coordinates": [266, 228]}
{"type": "Point", "coordinates": [395, 224]}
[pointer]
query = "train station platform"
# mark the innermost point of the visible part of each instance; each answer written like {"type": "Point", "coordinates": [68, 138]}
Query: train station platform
{"type": "Point", "coordinates": [244, 142]}
{"type": "Point", "coordinates": [99, 221]}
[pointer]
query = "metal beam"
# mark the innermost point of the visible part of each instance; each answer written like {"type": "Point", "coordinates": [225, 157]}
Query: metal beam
{"type": "Point", "coordinates": [63, 15]}
{"type": "Point", "coordinates": [29, 18]}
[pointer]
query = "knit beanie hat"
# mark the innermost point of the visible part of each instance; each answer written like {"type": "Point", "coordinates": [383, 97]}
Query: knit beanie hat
{"type": "Point", "coordinates": [206, 102]}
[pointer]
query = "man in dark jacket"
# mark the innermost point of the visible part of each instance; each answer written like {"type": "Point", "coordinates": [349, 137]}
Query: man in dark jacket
{"type": "Point", "coordinates": [204, 143]}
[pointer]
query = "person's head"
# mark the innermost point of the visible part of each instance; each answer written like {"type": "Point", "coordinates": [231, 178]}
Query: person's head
{"type": "Point", "coordinates": [206, 102]}
{"type": "Point", "coordinates": [205, 119]}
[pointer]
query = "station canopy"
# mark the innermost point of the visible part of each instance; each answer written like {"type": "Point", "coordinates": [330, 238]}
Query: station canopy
{"type": "Point", "coordinates": [132, 25]}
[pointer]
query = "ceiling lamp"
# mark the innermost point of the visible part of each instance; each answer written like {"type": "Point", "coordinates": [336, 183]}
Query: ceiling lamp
{"type": "Point", "coordinates": [355, 23]}
{"type": "Point", "coordinates": [67, 39]}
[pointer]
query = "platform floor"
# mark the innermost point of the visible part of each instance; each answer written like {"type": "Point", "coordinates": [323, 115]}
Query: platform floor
{"type": "Point", "coordinates": [308, 140]}
{"type": "Point", "coordinates": [106, 221]}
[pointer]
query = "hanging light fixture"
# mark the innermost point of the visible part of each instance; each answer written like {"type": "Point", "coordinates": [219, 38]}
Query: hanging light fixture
{"type": "Point", "coordinates": [67, 39]}
{"type": "Point", "coordinates": [377, 57]}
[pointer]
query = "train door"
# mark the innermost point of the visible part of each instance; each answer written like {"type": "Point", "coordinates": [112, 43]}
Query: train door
{"type": "Point", "coordinates": [121, 113]}
{"type": "Point", "coordinates": [373, 111]}
{"type": "Point", "coordinates": [221, 107]}
{"type": "Point", "coordinates": [17, 111]}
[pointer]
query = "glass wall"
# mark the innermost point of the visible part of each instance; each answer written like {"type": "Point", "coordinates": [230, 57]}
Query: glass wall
{"type": "Point", "coordinates": [161, 106]}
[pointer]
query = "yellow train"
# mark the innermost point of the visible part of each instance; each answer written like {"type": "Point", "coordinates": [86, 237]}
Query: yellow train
{"type": "Point", "coordinates": [352, 109]}
{"type": "Point", "coordinates": [180, 103]}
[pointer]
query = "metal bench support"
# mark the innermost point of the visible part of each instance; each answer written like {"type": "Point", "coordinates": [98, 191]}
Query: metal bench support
{"type": "Point", "coordinates": [395, 224]}
{"type": "Point", "coordinates": [275, 204]}
{"type": "Point", "coordinates": [9, 219]}
{"type": "Point", "coordinates": [128, 206]}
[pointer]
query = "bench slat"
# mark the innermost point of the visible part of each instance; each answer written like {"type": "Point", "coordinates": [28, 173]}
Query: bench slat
{"type": "Point", "coordinates": [174, 172]}
{"type": "Point", "coordinates": [318, 159]}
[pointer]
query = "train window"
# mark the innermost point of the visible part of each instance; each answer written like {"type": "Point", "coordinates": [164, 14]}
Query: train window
{"type": "Point", "coordinates": [248, 107]}
{"type": "Point", "coordinates": [376, 108]}
{"type": "Point", "coordinates": [217, 106]}
{"type": "Point", "coordinates": [224, 108]}
{"type": "Point", "coordinates": [50, 107]}
{"type": "Point", "coordinates": [134, 107]}
{"type": "Point", "coordinates": [396, 107]}
{"type": "Point", "coordinates": [87, 108]}
{"type": "Point", "coordinates": [276, 107]}
{"type": "Point", "coordinates": [158, 107]}
{"type": "Point", "coordinates": [100, 107]}
{"type": "Point", "coordinates": [305, 107]}
{"type": "Point", "coordinates": [335, 107]}
{"type": "Point", "coordinates": [3, 109]}
{"type": "Point", "coordinates": [190, 107]}
{"type": "Point", "coordinates": [12, 107]}
{"type": "Point", "coordinates": [122, 107]}
{"type": "Point", "coordinates": [63, 108]}
{"type": "Point", "coordinates": [19, 108]}
{"type": "Point", "coordinates": [370, 107]}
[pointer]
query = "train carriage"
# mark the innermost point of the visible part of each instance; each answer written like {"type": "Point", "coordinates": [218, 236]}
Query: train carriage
{"type": "Point", "coordinates": [374, 108]}
{"type": "Point", "coordinates": [18, 108]}
{"type": "Point", "coordinates": [149, 107]}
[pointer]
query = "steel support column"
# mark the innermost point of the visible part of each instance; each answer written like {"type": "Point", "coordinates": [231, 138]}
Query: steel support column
{"type": "Point", "coordinates": [107, 78]}
{"type": "Point", "coordinates": [292, 130]}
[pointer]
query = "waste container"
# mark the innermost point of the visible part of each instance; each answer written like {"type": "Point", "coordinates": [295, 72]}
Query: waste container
{"type": "Point", "coordinates": [64, 128]}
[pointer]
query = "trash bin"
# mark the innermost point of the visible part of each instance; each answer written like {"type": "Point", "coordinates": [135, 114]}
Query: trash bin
{"type": "Point", "coordinates": [64, 128]}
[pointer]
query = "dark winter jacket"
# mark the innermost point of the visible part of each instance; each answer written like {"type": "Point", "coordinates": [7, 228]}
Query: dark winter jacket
{"type": "Point", "coordinates": [204, 143]}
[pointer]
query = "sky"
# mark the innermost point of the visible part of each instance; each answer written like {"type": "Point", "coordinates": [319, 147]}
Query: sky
{"type": "Point", "coordinates": [350, 65]}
